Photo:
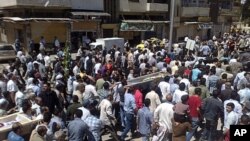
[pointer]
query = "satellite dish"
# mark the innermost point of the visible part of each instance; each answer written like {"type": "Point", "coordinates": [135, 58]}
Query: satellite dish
{"type": "Point", "coordinates": [47, 3]}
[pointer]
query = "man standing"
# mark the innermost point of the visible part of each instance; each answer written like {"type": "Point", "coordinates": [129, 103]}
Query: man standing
{"type": "Point", "coordinates": [106, 110]}
{"type": "Point", "coordinates": [144, 121]}
{"type": "Point", "coordinates": [165, 87]}
{"type": "Point", "coordinates": [77, 128]}
{"type": "Point", "coordinates": [213, 109]}
{"type": "Point", "coordinates": [194, 103]}
{"type": "Point", "coordinates": [154, 98]}
{"type": "Point", "coordinates": [129, 108]}
{"type": "Point", "coordinates": [232, 118]}
{"type": "Point", "coordinates": [49, 98]}
{"type": "Point", "coordinates": [162, 116]}
{"type": "Point", "coordinates": [94, 124]}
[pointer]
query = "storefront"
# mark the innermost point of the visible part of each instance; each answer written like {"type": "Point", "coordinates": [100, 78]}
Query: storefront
{"type": "Point", "coordinates": [85, 28]}
{"type": "Point", "coordinates": [137, 30]}
{"type": "Point", "coordinates": [26, 29]}
{"type": "Point", "coordinates": [193, 29]}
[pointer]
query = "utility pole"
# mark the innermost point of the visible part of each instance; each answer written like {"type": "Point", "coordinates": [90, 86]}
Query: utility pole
{"type": "Point", "coordinates": [172, 7]}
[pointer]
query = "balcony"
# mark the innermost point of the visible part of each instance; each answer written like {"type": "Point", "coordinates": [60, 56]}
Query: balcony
{"type": "Point", "coordinates": [130, 6]}
{"type": "Point", "coordinates": [234, 11]}
{"type": "Point", "coordinates": [35, 3]}
{"type": "Point", "coordinates": [195, 11]}
{"type": "Point", "coordinates": [157, 7]}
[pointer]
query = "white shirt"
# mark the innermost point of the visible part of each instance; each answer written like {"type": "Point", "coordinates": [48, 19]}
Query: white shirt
{"type": "Point", "coordinates": [39, 56]}
{"type": "Point", "coordinates": [237, 108]}
{"type": "Point", "coordinates": [90, 91]}
{"type": "Point", "coordinates": [57, 43]}
{"type": "Point", "coordinates": [19, 96]}
{"type": "Point", "coordinates": [244, 95]}
{"type": "Point", "coordinates": [142, 56]}
{"type": "Point", "coordinates": [163, 115]}
{"type": "Point", "coordinates": [105, 109]}
{"type": "Point", "coordinates": [177, 95]}
{"type": "Point", "coordinates": [186, 82]}
{"type": "Point", "coordinates": [85, 113]}
{"type": "Point", "coordinates": [116, 54]}
{"type": "Point", "coordinates": [232, 61]}
{"type": "Point", "coordinates": [11, 86]}
{"type": "Point", "coordinates": [76, 70]}
{"type": "Point", "coordinates": [232, 119]}
{"type": "Point", "coordinates": [75, 83]}
{"type": "Point", "coordinates": [47, 61]}
{"type": "Point", "coordinates": [154, 100]}
{"type": "Point", "coordinates": [165, 89]}
{"type": "Point", "coordinates": [97, 67]}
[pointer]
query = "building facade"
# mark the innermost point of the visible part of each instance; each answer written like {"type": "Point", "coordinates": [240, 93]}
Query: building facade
{"type": "Point", "coordinates": [73, 20]}
{"type": "Point", "coordinates": [136, 20]}
{"type": "Point", "coordinates": [204, 18]}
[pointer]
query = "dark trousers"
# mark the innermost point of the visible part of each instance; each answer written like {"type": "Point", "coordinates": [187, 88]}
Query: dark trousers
{"type": "Point", "coordinates": [210, 130]}
{"type": "Point", "coordinates": [128, 125]}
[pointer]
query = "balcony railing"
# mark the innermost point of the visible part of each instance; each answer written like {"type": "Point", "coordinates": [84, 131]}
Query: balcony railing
{"type": "Point", "coordinates": [195, 5]}
{"type": "Point", "coordinates": [153, 7]}
{"type": "Point", "coordinates": [35, 3]}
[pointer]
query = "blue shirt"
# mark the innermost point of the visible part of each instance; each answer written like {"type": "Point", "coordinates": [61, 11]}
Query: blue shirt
{"type": "Point", "coordinates": [129, 103]}
{"type": "Point", "coordinates": [77, 129]}
{"type": "Point", "coordinates": [145, 119]}
{"type": "Point", "coordinates": [95, 126]}
{"type": "Point", "coordinates": [12, 136]}
{"type": "Point", "coordinates": [195, 73]}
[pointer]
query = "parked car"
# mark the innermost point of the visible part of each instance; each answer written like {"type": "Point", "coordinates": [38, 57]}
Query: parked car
{"type": "Point", "coordinates": [7, 52]}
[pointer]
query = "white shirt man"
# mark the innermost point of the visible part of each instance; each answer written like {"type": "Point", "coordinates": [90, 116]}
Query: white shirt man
{"type": "Point", "coordinates": [105, 110]}
{"type": "Point", "coordinates": [154, 100]}
{"type": "Point", "coordinates": [244, 94]}
{"type": "Point", "coordinates": [76, 70]}
{"type": "Point", "coordinates": [163, 115]}
{"type": "Point", "coordinates": [178, 94]}
{"type": "Point", "coordinates": [97, 67]}
{"type": "Point", "coordinates": [237, 108]}
{"type": "Point", "coordinates": [90, 92]}
{"type": "Point", "coordinates": [186, 82]}
{"type": "Point", "coordinates": [85, 113]}
{"type": "Point", "coordinates": [231, 117]}
{"type": "Point", "coordinates": [47, 61]}
{"type": "Point", "coordinates": [165, 89]}
{"type": "Point", "coordinates": [11, 86]}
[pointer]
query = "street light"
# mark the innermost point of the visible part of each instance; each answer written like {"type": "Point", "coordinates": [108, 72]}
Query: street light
{"type": "Point", "coordinates": [172, 7]}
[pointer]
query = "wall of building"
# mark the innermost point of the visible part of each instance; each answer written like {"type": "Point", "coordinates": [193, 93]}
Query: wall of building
{"type": "Point", "coordinates": [87, 4]}
{"type": "Point", "coordinates": [49, 30]}
{"type": "Point", "coordinates": [9, 32]}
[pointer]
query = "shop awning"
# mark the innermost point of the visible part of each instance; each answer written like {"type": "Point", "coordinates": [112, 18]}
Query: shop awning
{"type": "Point", "coordinates": [201, 25]}
{"type": "Point", "coordinates": [90, 14]}
{"type": "Point", "coordinates": [140, 25]}
{"type": "Point", "coordinates": [145, 21]}
{"type": "Point", "coordinates": [189, 23]}
{"type": "Point", "coordinates": [18, 19]}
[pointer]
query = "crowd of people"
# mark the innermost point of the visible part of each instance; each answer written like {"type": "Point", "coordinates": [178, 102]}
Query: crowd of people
{"type": "Point", "coordinates": [90, 97]}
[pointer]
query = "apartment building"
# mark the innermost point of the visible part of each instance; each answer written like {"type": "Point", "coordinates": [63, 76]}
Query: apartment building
{"type": "Point", "coordinates": [136, 19]}
{"type": "Point", "coordinates": [67, 19]}
{"type": "Point", "coordinates": [204, 18]}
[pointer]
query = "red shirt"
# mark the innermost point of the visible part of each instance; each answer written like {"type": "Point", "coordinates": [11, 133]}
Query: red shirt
{"type": "Point", "coordinates": [194, 103]}
{"type": "Point", "coordinates": [167, 60]}
{"type": "Point", "coordinates": [138, 99]}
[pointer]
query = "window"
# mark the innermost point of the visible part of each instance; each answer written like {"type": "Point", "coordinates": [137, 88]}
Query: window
{"type": "Point", "coordinates": [134, 0]}
{"type": "Point", "coordinates": [157, 1]}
